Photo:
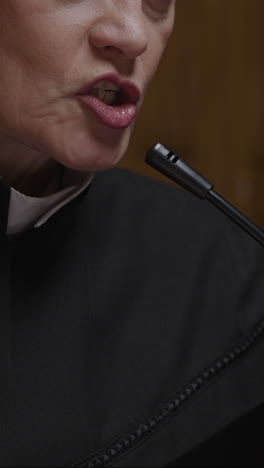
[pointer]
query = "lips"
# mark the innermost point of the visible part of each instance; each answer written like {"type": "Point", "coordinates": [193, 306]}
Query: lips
{"type": "Point", "coordinates": [129, 92]}
{"type": "Point", "coordinates": [119, 115]}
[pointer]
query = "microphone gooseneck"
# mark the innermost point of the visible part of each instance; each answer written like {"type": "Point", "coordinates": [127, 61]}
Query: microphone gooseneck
{"type": "Point", "coordinates": [167, 162]}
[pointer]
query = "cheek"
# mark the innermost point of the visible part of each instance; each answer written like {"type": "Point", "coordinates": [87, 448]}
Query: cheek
{"type": "Point", "coordinates": [34, 62]}
{"type": "Point", "coordinates": [35, 37]}
{"type": "Point", "coordinates": [153, 55]}
{"type": "Point", "coordinates": [159, 37]}
{"type": "Point", "coordinates": [10, 93]}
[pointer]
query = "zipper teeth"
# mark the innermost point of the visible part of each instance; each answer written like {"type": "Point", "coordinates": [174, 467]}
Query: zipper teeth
{"type": "Point", "coordinates": [170, 408]}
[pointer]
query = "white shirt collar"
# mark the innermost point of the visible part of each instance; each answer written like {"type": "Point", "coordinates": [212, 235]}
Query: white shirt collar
{"type": "Point", "coordinates": [25, 211]}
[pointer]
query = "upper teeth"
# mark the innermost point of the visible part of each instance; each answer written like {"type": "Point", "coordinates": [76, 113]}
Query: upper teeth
{"type": "Point", "coordinates": [106, 86]}
{"type": "Point", "coordinates": [106, 92]}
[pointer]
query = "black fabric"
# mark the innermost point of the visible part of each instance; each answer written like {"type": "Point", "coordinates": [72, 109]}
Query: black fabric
{"type": "Point", "coordinates": [116, 305]}
{"type": "Point", "coordinates": [4, 311]}
{"type": "Point", "coordinates": [4, 206]}
{"type": "Point", "coordinates": [240, 444]}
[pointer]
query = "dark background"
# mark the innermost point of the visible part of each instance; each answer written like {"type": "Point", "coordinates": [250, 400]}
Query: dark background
{"type": "Point", "coordinates": [207, 99]}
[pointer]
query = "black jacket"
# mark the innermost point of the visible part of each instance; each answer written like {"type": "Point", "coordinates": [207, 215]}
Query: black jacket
{"type": "Point", "coordinates": [132, 326]}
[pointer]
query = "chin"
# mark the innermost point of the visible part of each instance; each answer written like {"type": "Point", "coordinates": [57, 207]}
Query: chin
{"type": "Point", "coordinates": [98, 151]}
{"type": "Point", "coordinates": [89, 162]}
{"type": "Point", "coordinates": [94, 163]}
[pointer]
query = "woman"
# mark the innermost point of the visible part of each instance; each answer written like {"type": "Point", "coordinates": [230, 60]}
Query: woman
{"type": "Point", "coordinates": [50, 51]}
{"type": "Point", "coordinates": [122, 298]}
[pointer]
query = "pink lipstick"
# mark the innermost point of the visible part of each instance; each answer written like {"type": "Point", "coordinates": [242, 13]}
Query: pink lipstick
{"type": "Point", "coordinates": [123, 112]}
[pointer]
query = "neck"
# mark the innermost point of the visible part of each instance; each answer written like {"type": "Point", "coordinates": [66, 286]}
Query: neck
{"type": "Point", "coordinates": [27, 170]}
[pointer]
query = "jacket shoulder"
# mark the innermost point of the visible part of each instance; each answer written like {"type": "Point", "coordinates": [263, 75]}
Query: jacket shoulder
{"type": "Point", "coordinates": [165, 212]}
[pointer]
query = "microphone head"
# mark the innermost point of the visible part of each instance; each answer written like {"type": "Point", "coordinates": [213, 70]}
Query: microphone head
{"type": "Point", "coordinates": [166, 161]}
{"type": "Point", "coordinates": [159, 151]}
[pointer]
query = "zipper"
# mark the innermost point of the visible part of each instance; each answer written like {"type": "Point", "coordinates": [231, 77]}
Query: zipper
{"type": "Point", "coordinates": [129, 442]}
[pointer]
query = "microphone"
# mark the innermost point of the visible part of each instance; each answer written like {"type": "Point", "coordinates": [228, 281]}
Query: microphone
{"type": "Point", "coordinates": [167, 162]}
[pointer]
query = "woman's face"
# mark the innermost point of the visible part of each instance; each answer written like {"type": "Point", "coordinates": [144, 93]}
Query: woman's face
{"type": "Point", "coordinates": [50, 49]}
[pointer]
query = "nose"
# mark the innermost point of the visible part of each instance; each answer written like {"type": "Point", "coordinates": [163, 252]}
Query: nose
{"type": "Point", "coordinates": [120, 29]}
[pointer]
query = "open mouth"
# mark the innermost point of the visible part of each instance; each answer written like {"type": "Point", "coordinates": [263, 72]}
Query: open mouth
{"type": "Point", "coordinates": [109, 94]}
{"type": "Point", "coordinates": [113, 100]}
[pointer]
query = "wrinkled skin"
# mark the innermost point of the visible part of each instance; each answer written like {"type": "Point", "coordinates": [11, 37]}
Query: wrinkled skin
{"type": "Point", "coordinates": [49, 49]}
